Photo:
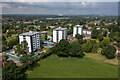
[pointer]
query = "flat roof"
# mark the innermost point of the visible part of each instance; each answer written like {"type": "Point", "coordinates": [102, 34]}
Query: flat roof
{"type": "Point", "coordinates": [29, 33]}
{"type": "Point", "coordinates": [78, 26]}
{"type": "Point", "coordinates": [60, 28]}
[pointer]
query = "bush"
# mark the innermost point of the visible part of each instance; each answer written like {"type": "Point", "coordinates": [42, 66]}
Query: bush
{"type": "Point", "coordinates": [80, 54]}
{"type": "Point", "coordinates": [62, 54]}
{"type": "Point", "coordinates": [109, 52]}
{"type": "Point", "coordinates": [78, 36]}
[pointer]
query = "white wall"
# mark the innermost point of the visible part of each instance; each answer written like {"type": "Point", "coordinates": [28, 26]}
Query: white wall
{"type": "Point", "coordinates": [29, 43]}
{"type": "Point", "coordinates": [54, 36]}
{"type": "Point", "coordinates": [20, 39]}
{"type": "Point", "coordinates": [59, 35]}
{"type": "Point", "coordinates": [74, 31]}
{"type": "Point", "coordinates": [80, 31]}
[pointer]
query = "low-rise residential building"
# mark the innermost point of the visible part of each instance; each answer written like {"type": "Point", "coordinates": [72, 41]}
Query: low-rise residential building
{"type": "Point", "coordinates": [117, 51]}
{"type": "Point", "coordinates": [86, 31]}
{"type": "Point", "coordinates": [98, 27]}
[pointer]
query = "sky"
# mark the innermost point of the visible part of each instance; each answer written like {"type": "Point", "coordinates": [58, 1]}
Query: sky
{"type": "Point", "coordinates": [57, 8]}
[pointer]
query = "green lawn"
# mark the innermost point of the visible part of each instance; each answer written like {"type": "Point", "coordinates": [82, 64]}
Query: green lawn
{"type": "Point", "coordinates": [55, 67]}
{"type": "Point", "coordinates": [101, 58]}
{"type": "Point", "coordinates": [43, 37]}
{"type": "Point", "coordinates": [49, 33]}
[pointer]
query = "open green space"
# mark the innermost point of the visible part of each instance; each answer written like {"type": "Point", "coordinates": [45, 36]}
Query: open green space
{"type": "Point", "coordinates": [49, 33]}
{"type": "Point", "coordinates": [101, 58]}
{"type": "Point", "coordinates": [43, 37]}
{"type": "Point", "coordinates": [56, 67]}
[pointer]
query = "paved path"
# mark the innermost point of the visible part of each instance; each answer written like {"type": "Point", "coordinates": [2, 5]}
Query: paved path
{"type": "Point", "coordinates": [18, 63]}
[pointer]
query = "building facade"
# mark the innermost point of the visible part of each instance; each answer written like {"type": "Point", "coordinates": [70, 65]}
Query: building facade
{"type": "Point", "coordinates": [78, 29]}
{"type": "Point", "coordinates": [59, 33]}
{"type": "Point", "coordinates": [85, 31]}
{"type": "Point", "coordinates": [33, 39]}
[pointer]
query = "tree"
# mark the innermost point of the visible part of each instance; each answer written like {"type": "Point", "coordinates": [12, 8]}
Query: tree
{"type": "Point", "coordinates": [45, 36]}
{"type": "Point", "coordinates": [61, 48]}
{"type": "Point", "coordinates": [12, 72]}
{"type": "Point", "coordinates": [69, 32]}
{"type": "Point", "coordinates": [118, 39]}
{"type": "Point", "coordinates": [4, 45]}
{"type": "Point", "coordinates": [62, 54]}
{"type": "Point", "coordinates": [81, 41]}
{"type": "Point", "coordinates": [22, 48]}
{"type": "Point", "coordinates": [95, 47]}
{"type": "Point", "coordinates": [105, 42]}
{"type": "Point", "coordinates": [90, 46]}
{"type": "Point", "coordinates": [78, 36]}
{"type": "Point", "coordinates": [18, 49]}
{"type": "Point", "coordinates": [11, 44]}
{"type": "Point", "coordinates": [25, 48]}
{"type": "Point", "coordinates": [113, 28]}
{"type": "Point", "coordinates": [109, 51]}
{"type": "Point", "coordinates": [95, 33]}
{"type": "Point", "coordinates": [3, 38]}
{"type": "Point", "coordinates": [100, 37]}
{"type": "Point", "coordinates": [75, 50]}
{"type": "Point", "coordinates": [105, 33]}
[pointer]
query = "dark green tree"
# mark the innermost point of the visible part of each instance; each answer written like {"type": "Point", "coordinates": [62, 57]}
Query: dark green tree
{"type": "Point", "coordinates": [109, 51]}
{"type": "Point", "coordinates": [81, 41]}
{"type": "Point", "coordinates": [61, 49]}
{"type": "Point", "coordinates": [75, 50]}
{"type": "Point", "coordinates": [100, 37]}
{"type": "Point", "coordinates": [95, 33]}
{"type": "Point", "coordinates": [45, 37]}
{"type": "Point", "coordinates": [78, 36]}
{"type": "Point", "coordinates": [12, 72]}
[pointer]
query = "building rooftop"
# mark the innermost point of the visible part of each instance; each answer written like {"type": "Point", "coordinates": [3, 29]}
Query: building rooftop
{"type": "Point", "coordinates": [60, 28]}
{"type": "Point", "coordinates": [29, 33]}
{"type": "Point", "coordinates": [78, 26]}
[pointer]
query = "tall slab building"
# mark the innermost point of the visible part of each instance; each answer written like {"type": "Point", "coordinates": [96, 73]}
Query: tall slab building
{"type": "Point", "coordinates": [59, 33]}
{"type": "Point", "coordinates": [33, 39]}
{"type": "Point", "coordinates": [78, 29]}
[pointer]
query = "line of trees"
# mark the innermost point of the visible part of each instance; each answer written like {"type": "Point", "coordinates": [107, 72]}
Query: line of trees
{"type": "Point", "coordinates": [65, 49]}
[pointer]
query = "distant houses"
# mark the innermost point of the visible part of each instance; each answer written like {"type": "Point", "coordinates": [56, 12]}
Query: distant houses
{"type": "Point", "coordinates": [87, 32]}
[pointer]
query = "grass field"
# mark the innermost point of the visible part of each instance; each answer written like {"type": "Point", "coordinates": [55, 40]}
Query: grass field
{"type": "Point", "coordinates": [101, 58]}
{"type": "Point", "coordinates": [55, 67]}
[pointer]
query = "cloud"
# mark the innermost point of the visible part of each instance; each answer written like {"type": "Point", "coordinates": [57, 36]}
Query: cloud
{"type": "Point", "coordinates": [74, 8]}
{"type": "Point", "coordinates": [60, 0]}
{"type": "Point", "coordinates": [6, 5]}
{"type": "Point", "coordinates": [21, 7]}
